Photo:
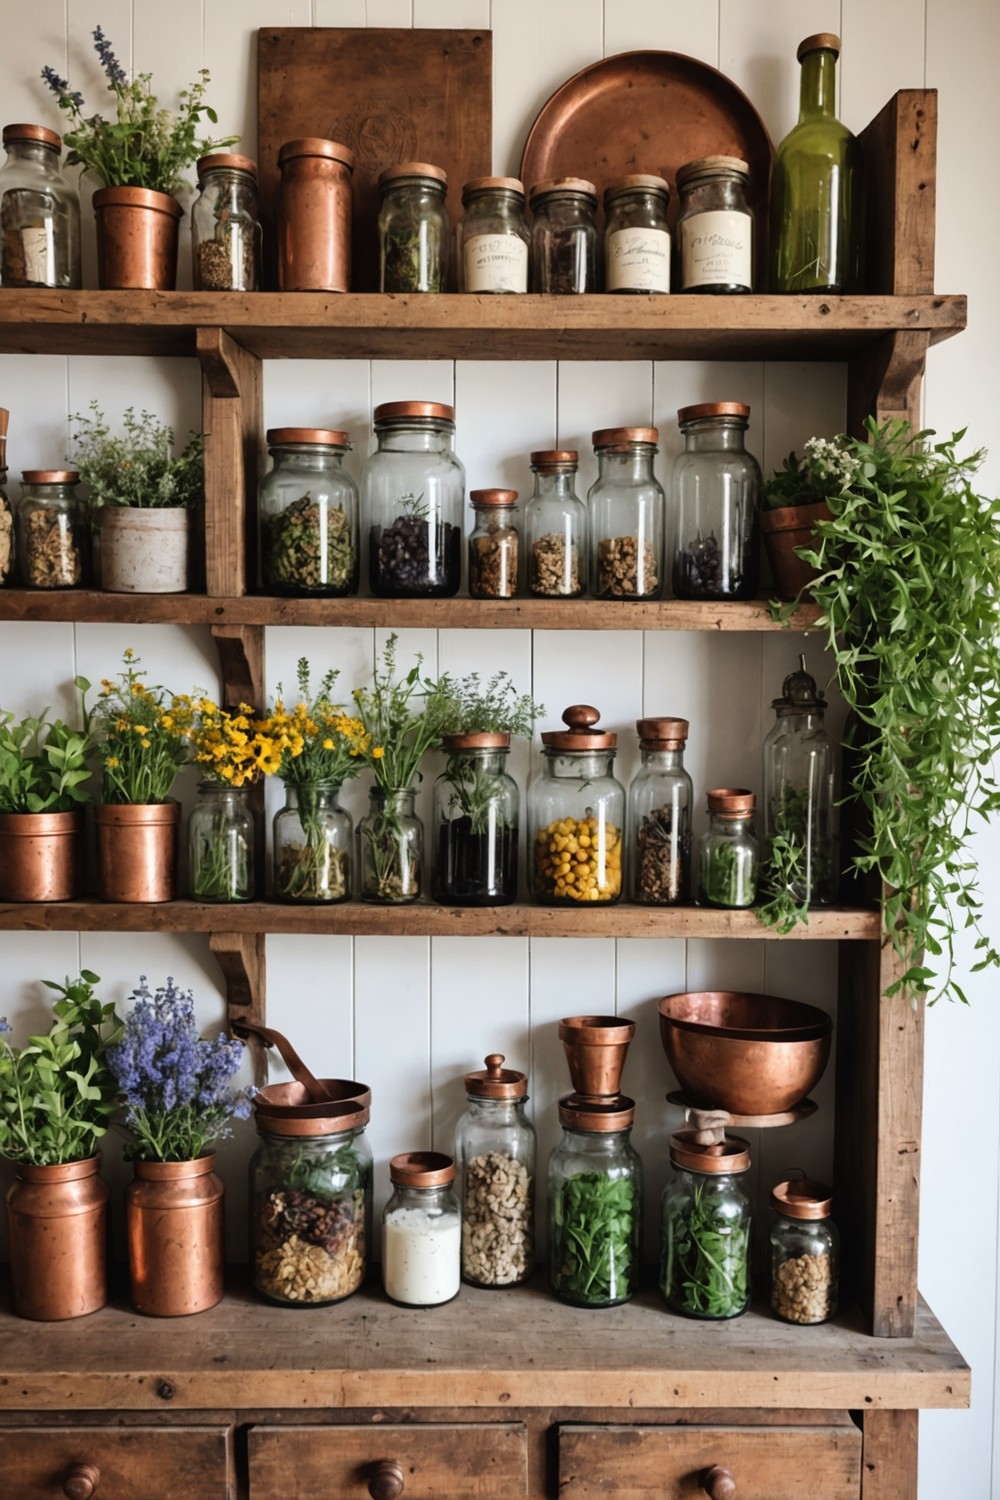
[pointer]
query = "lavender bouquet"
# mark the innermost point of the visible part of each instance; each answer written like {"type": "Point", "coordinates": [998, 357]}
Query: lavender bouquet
{"type": "Point", "coordinates": [174, 1084]}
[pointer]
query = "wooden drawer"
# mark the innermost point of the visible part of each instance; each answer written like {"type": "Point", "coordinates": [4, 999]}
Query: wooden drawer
{"type": "Point", "coordinates": [766, 1463]}
{"type": "Point", "coordinates": [131, 1463]}
{"type": "Point", "coordinates": [436, 1462]}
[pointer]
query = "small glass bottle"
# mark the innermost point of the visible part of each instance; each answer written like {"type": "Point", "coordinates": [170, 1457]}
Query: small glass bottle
{"type": "Point", "coordinates": [390, 847]}
{"type": "Point", "coordinates": [413, 230]}
{"type": "Point", "coordinates": [715, 226]}
{"type": "Point", "coordinates": [705, 1233]}
{"type": "Point", "coordinates": [53, 530]}
{"type": "Point", "coordinates": [308, 513]}
{"type": "Point", "coordinates": [7, 539]}
{"type": "Point", "coordinates": [412, 499]}
{"type": "Point", "coordinates": [312, 845]}
{"type": "Point", "coordinates": [800, 843]}
{"type": "Point", "coordinates": [495, 1147]}
{"type": "Point", "coordinates": [636, 237]}
{"type": "Point", "coordinates": [716, 485]}
{"type": "Point", "coordinates": [422, 1231]}
{"type": "Point", "coordinates": [595, 1204]}
{"type": "Point", "coordinates": [476, 814]}
{"type": "Point", "coordinates": [495, 237]}
{"type": "Point", "coordinates": [576, 811]}
{"type": "Point", "coordinates": [727, 851]}
{"type": "Point", "coordinates": [493, 544]}
{"type": "Point", "coordinates": [39, 212]}
{"type": "Point", "coordinates": [805, 1253]}
{"type": "Point", "coordinates": [626, 508]}
{"type": "Point", "coordinates": [220, 844]}
{"type": "Point", "coordinates": [564, 236]}
{"type": "Point", "coordinates": [556, 527]}
{"type": "Point", "coordinates": [659, 816]}
{"type": "Point", "coordinates": [225, 225]}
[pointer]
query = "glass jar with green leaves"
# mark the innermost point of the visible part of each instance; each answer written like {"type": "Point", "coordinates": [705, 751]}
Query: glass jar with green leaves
{"type": "Point", "coordinates": [308, 511]}
{"type": "Point", "coordinates": [705, 1244]}
{"type": "Point", "coordinates": [595, 1204]}
{"type": "Point", "coordinates": [232, 752]}
{"type": "Point", "coordinates": [728, 851]}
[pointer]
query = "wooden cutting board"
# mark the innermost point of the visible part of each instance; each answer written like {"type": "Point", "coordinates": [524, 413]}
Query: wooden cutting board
{"type": "Point", "coordinates": [391, 94]}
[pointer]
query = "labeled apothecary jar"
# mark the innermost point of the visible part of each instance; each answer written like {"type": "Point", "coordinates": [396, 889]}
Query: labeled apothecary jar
{"type": "Point", "coordinates": [494, 544]}
{"type": "Point", "coordinates": [714, 226]}
{"type": "Point", "coordinates": [314, 216]}
{"type": "Point", "coordinates": [7, 538]}
{"type": "Point", "coordinates": [576, 812]}
{"type": "Point", "coordinates": [805, 1253]}
{"type": "Point", "coordinates": [705, 1231]}
{"type": "Point", "coordinates": [310, 1203]}
{"type": "Point", "coordinates": [39, 212]}
{"type": "Point", "coordinates": [412, 498]}
{"type": "Point", "coordinates": [495, 237]}
{"type": "Point", "coordinates": [564, 236]}
{"type": "Point", "coordinates": [556, 527]}
{"type": "Point", "coordinates": [476, 816]}
{"type": "Point", "coordinates": [53, 530]}
{"type": "Point", "coordinates": [313, 839]}
{"type": "Point", "coordinates": [727, 851]}
{"type": "Point", "coordinates": [422, 1231]}
{"type": "Point", "coordinates": [800, 842]}
{"type": "Point", "coordinates": [626, 511]}
{"type": "Point", "coordinates": [595, 1204]}
{"type": "Point", "coordinates": [308, 514]}
{"type": "Point", "coordinates": [495, 1147]}
{"type": "Point", "coordinates": [716, 490]}
{"type": "Point", "coordinates": [636, 237]}
{"type": "Point", "coordinates": [390, 847]}
{"type": "Point", "coordinates": [225, 225]}
{"type": "Point", "coordinates": [659, 816]}
{"type": "Point", "coordinates": [413, 228]}
{"type": "Point", "coordinates": [220, 844]}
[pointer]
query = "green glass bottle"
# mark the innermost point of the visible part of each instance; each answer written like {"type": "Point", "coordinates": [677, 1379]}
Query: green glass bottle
{"type": "Point", "coordinates": [815, 186]}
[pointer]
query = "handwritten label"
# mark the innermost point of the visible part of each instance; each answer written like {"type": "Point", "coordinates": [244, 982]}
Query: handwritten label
{"type": "Point", "coordinates": [496, 263]}
{"type": "Point", "coordinates": [638, 260]}
{"type": "Point", "coordinates": [716, 250]}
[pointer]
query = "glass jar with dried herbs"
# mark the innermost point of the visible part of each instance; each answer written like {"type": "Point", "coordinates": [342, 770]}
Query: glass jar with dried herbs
{"type": "Point", "coordinates": [413, 228]}
{"type": "Point", "coordinates": [495, 237]}
{"type": "Point", "coordinates": [494, 544]}
{"type": "Point", "coordinates": [659, 816]}
{"type": "Point", "coordinates": [715, 226]}
{"type": "Point", "coordinates": [595, 1204]}
{"type": "Point", "coordinates": [705, 1239]}
{"type": "Point", "coordinates": [225, 227]}
{"type": "Point", "coordinates": [53, 530]}
{"type": "Point", "coordinates": [564, 236]}
{"type": "Point", "coordinates": [727, 851]}
{"type": "Point", "coordinates": [636, 237]}
{"type": "Point", "coordinates": [716, 489]}
{"type": "Point", "coordinates": [39, 212]}
{"type": "Point", "coordinates": [308, 512]}
{"type": "Point", "coordinates": [556, 527]}
{"type": "Point", "coordinates": [412, 497]}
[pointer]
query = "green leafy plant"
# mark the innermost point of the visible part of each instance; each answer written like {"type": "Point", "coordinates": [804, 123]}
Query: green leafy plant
{"type": "Point", "coordinates": [784, 880]}
{"type": "Point", "coordinates": [472, 708]}
{"type": "Point", "coordinates": [706, 1267]}
{"type": "Point", "coordinates": [594, 1224]}
{"type": "Point", "coordinates": [825, 470]}
{"type": "Point", "coordinates": [43, 764]}
{"type": "Point", "coordinates": [138, 469]}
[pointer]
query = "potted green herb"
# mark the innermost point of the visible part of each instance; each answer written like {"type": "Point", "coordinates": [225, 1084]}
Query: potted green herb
{"type": "Point", "coordinates": [792, 502]}
{"type": "Point", "coordinates": [43, 770]}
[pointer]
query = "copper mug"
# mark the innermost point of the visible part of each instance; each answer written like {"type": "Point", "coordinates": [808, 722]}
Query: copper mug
{"type": "Point", "coordinates": [314, 216]}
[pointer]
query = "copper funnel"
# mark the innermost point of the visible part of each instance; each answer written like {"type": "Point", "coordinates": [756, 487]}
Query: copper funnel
{"type": "Point", "coordinates": [57, 1225]}
{"type": "Point", "coordinates": [595, 1050]}
{"type": "Point", "coordinates": [40, 856]}
{"type": "Point", "coordinates": [137, 231]}
{"type": "Point", "coordinates": [174, 1215]}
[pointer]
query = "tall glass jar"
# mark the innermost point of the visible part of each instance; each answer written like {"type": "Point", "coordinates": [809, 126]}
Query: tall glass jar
{"type": "Point", "coordinates": [715, 226]}
{"type": "Point", "coordinates": [220, 844]}
{"type": "Point", "coordinates": [39, 212]}
{"type": "Point", "coordinates": [564, 236]}
{"type": "Point", "coordinates": [308, 513]}
{"type": "Point", "coordinates": [312, 844]}
{"type": "Point", "coordinates": [7, 540]}
{"type": "Point", "coordinates": [311, 1206]}
{"type": "Point", "coordinates": [636, 237]}
{"type": "Point", "coordinates": [476, 813]}
{"type": "Point", "coordinates": [422, 1231]}
{"type": "Point", "coordinates": [659, 816]}
{"type": "Point", "coordinates": [390, 847]}
{"type": "Point", "coordinates": [705, 1239]}
{"type": "Point", "coordinates": [495, 237]}
{"type": "Point", "coordinates": [53, 530]}
{"type": "Point", "coordinates": [225, 225]}
{"type": "Point", "coordinates": [576, 814]}
{"type": "Point", "coordinates": [626, 507]}
{"type": "Point", "coordinates": [727, 850]}
{"type": "Point", "coordinates": [413, 229]}
{"type": "Point", "coordinates": [495, 1148]}
{"type": "Point", "coordinates": [800, 843]}
{"type": "Point", "coordinates": [412, 499]}
{"type": "Point", "coordinates": [805, 1253]}
{"type": "Point", "coordinates": [556, 527]}
{"type": "Point", "coordinates": [493, 545]}
{"type": "Point", "coordinates": [595, 1204]}
{"type": "Point", "coordinates": [716, 485]}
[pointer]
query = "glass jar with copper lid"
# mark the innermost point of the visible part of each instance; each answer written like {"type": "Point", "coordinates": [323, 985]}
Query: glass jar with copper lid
{"type": "Point", "coordinates": [626, 507]}
{"type": "Point", "coordinates": [576, 814]}
{"type": "Point", "coordinates": [495, 237]}
{"type": "Point", "coordinates": [564, 236]}
{"type": "Point", "coordinates": [727, 850]}
{"type": "Point", "coordinates": [716, 490]}
{"type": "Point", "coordinates": [7, 539]}
{"type": "Point", "coordinates": [595, 1203]}
{"type": "Point", "coordinates": [308, 513]}
{"type": "Point", "coordinates": [412, 500]}
{"type": "Point", "coordinates": [53, 530]}
{"type": "Point", "coordinates": [494, 544]}
{"type": "Point", "coordinates": [422, 1231]}
{"type": "Point", "coordinates": [805, 1253]}
{"type": "Point", "coordinates": [705, 1229]}
{"type": "Point", "coordinates": [715, 231]}
{"type": "Point", "coordinates": [636, 237]}
{"type": "Point", "coordinates": [314, 215]}
{"type": "Point", "coordinates": [225, 225]}
{"type": "Point", "coordinates": [495, 1149]}
{"type": "Point", "coordinates": [39, 212]}
{"type": "Point", "coordinates": [413, 228]}
{"type": "Point", "coordinates": [476, 817]}
{"type": "Point", "coordinates": [556, 527]}
{"type": "Point", "coordinates": [659, 816]}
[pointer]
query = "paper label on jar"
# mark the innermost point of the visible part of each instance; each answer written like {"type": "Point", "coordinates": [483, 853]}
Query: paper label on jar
{"type": "Point", "coordinates": [36, 247]}
{"type": "Point", "coordinates": [715, 250]}
{"type": "Point", "coordinates": [496, 263]}
{"type": "Point", "coordinates": [638, 260]}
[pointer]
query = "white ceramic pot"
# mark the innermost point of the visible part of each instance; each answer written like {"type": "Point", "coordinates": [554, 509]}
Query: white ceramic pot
{"type": "Point", "coordinates": [144, 551]}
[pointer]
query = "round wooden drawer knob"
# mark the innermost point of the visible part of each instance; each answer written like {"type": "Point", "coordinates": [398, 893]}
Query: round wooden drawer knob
{"type": "Point", "coordinates": [81, 1482]}
{"type": "Point", "coordinates": [719, 1484]}
{"type": "Point", "coordinates": [386, 1482]}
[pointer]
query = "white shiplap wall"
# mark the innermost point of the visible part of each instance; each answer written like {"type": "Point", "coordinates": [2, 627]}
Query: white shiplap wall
{"type": "Point", "coordinates": [408, 1015]}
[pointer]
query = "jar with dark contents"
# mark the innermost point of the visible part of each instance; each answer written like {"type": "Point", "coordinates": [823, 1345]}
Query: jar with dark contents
{"type": "Point", "coordinates": [495, 237]}
{"type": "Point", "coordinates": [413, 228]}
{"type": "Point", "coordinates": [7, 542]}
{"type": "Point", "coordinates": [576, 814]}
{"type": "Point", "coordinates": [494, 544]}
{"type": "Point", "coordinates": [53, 530]}
{"type": "Point", "coordinates": [626, 508]}
{"type": "Point", "coordinates": [716, 485]}
{"type": "Point", "coordinates": [412, 499]}
{"type": "Point", "coordinates": [39, 212]}
{"type": "Point", "coordinates": [495, 1151]}
{"type": "Point", "coordinates": [556, 527]}
{"type": "Point", "coordinates": [715, 226]}
{"type": "Point", "coordinates": [476, 816]}
{"type": "Point", "coordinates": [308, 512]}
{"type": "Point", "coordinates": [564, 236]}
{"type": "Point", "coordinates": [728, 853]}
{"type": "Point", "coordinates": [659, 816]}
{"type": "Point", "coordinates": [636, 237]}
{"type": "Point", "coordinates": [225, 225]}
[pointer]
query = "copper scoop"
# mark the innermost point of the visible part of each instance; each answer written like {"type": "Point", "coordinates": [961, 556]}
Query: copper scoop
{"type": "Point", "coordinates": [315, 1089]}
{"type": "Point", "coordinates": [308, 1096]}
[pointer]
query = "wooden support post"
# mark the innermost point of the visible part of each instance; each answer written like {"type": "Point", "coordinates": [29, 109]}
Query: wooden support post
{"type": "Point", "coordinates": [885, 380]}
{"type": "Point", "coordinates": [899, 151]}
{"type": "Point", "coordinates": [241, 662]}
{"type": "Point", "coordinates": [889, 1455]}
{"type": "Point", "coordinates": [241, 959]}
{"type": "Point", "coordinates": [232, 415]}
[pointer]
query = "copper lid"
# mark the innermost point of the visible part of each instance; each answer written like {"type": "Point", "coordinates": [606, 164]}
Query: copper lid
{"type": "Point", "coordinates": [40, 133]}
{"type": "Point", "coordinates": [711, 166]}
{"type": "Point", "coordinates": [666, 734]}
{"type": "Point", "coordinates": [554, 458]}
{"type": "Point", "coordinates": [577, 187]}
{"type": "Point", "coordinates": [223, 160]}
{"type": "Point", "coordinates": [335, 1119]}
{"type": "Point", "coordinates": [581, 735]}
{"type": "Point", "coordinates": [731, 801]}
{"type": "Point", "coordinates": [713, 409]}
{"type": "Point", "coordinates": [50, 476]}
{"type": "Point", "coordinates": [599, 1116]}
{"type": "Point", "coordinates": [803, 1200]}
{"type": "Point", "coordinates": [317, 145]}
{"type": "Point", "coordinates": [621, 437]}
{"type": "Point", "coordinates": [138, 197]}
{"type": "Point", "coordinates": [327, 435]}
{"type": "Point", "coordinates": [492, 184]}
{"type": "Point", "coordinates": [412, 169]}
{"type": "Point", "coordinates": [642, 182]}
{"type": "Point", "coordinates": [422, 1169]}
{"type": "Point", "coordinates": [488, 498]}
{"type": "Point", "coordinates": [730, 1155]}
{"type": "Point", "coordinates": [482, 740]}
{"type": "Point", "coordinates": [823, 41]}
{"type": "Point", "coordinates": [402, 411]}
{"type": "Point", "coordinates": [497, 1082]}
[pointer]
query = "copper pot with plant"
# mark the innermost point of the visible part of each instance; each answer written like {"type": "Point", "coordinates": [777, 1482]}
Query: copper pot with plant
{"type": "Point", "coordinates": [43, 772]}
{"type": "Point", "coordinates": [793, 502]}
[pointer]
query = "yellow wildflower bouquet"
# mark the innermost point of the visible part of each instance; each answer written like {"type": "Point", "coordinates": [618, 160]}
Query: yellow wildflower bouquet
{"type": "Point", "coordinates": [315, 740]}
{"type": "Point", "coordinates": [232, 748]}
{"type": "Point", "coordinates": [142, 735]}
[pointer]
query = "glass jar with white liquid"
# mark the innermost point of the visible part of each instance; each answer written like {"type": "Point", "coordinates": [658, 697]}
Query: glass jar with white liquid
{"type": "Point", "coordinates": [422, 1231]}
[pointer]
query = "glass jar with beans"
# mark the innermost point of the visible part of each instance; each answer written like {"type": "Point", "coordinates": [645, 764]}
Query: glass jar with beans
{"type": "Point", "coordinates": [556, 527]}
{"type": "Point", "coordinates": [412, 498]}
{"type": "Point", "coordinates": [308, 512]}
{"type": "Point", "coordinates": [626, 507]}
{"type": "Point", "coordinates": [659, 816]}
{"type": "Point", "coordinates": [805, 1251]}
{"type": "Point", "coordinates": [495, 1149]}
{"type": "Point", "coordinates": [576, 815]}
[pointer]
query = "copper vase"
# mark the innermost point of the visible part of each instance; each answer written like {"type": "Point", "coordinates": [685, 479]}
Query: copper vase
{"type": "Point", "coordinates": [314, 216]}
{"type": "Point", "coordinates": [137, 851]}
{"type": "Point", "coordinates": [136, 238]}
{"type": "Point", "coordinates": [40, 856]}
{"type": "Point", "coordinates": [783, 530]}
{"type": "Point", "coordinates": [595, 1048]}
{"type": "Point", "coordinates": [176, 1249]}
{"type": "Point", "coordinates": [57, 1227]}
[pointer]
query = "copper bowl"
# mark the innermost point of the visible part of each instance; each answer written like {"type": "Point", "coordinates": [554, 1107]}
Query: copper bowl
{"type": "Point", "coordinates": [292, 1099]}
{"type": "Point", "coordinates": [748, 1054]}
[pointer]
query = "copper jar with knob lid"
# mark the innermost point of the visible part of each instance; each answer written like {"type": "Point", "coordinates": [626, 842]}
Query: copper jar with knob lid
{"type": "Point", "coordinates": [659, 816]}
{"type": "Point", "coordinates": [495, 1149]}
{"type": "Point", "coordinates": [705, 1227]}
{"type": "Point", "coordinates": [804, 1252]}
{"type": "Point", "coordinates": [576, 814]}
{"type": "Point", "coordinates": [314, 216]}
{"type": "Point", "coordinates": [595, 1203]}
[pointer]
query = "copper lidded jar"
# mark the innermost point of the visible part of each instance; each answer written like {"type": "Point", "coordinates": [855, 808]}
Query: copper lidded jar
{"type": "Point", "coordinates": [556, 527]}
{"type": "Point", "coordinates": [626, 506]}
{"type": "Point", "coordinates": [176, 1237]}
{"type": "Point", "coordinates": [53, 530]}
{"type": "Point", "coordinates": [495, 1147]}
{"type": "Point", "coordinates": [225, 225]}
{"type": "Point", "coordinates": [659, 816]}
{"type": "Point", "coordinates": [715, 226]}
{"type": "Point", "coordinates": [576, 814]}
{"type": "Point", "coordinates": [412, 499]}
{"type": "Point", "coordinates": [308, 513]}
{"type": "Point", "coordinates": [564, 236]}
{"type": "Point", "coordinates": [314, 216]}
{"type": "Point", "coordinates": [422, 1231]}
{"type": "Point", "coordinates": [57, 1232]}
{"type": "Point", "coordinates": [705, 1232]}
{"type": "Point", "coordinates": [494, 544]}
{"type": "Point", "coordinates": [805, 1253]}
{"type": "Point", "coordinates": [413, 228]}
{"type": "Point", "coordinates": [595, 1204]}
{"type": "Point", "coordinates": [727, 850]}
{"type": "Point", "coordinates": [39, 212]}
{"type": "Point", "coordinates": [476, 817]}
{"type": "Point", "coordinates": [716, 490]}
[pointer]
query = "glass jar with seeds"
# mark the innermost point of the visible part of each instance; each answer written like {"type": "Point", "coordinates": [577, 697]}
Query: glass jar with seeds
{"type": "Point", "coordinates": [716, 488]}
{"type": "Point", "coordinates": [705, 1230]}
{"type": "Point", "coordinates": [308, 514]}
{"type": "Point", "coordinates": [225, 227]}
{"type": "Point", "coordinates": [39, 212]}
{"type": "Point", "coordinates": [626, 508]}
{"type": "Point", "coordinates": [659, 816]}
{"type": "Point", "coordinates": [53, 530]}
{"type": "Point", "coordinates": [805, 1253]}
{"type": "Point", "coordinates": [576, 814]}
{"type": "Point", "coordinates": [727, 851]}
{"type": "Point", "coordinates": [412, 500]}
{"type": "Point", "coordinates": [495, 1150]}
{"type": "Point", "coordinates": [564, 236]}
{"type": "Point", "coordinates": [495, 237]}
{"type": "Point", "coordinates": [494, 545]}
{"type": "Point", "coordinates": [595, 1203]}
{"type": "Point", "coordinates": [556, 527]}
{"type": "Point", "coordinates": [413, 228]}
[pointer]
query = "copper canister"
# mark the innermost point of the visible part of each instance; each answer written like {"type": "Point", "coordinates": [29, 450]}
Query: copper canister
{"type": "Point", "coordinates": [57, 1225]}
{"type": "Point", "coordinates": [314, 216]}
{"type": "Point", "coordinates": [40, 856]}
{"type": "Point", "coordinates": [137, 850]}
{"type": "Point", "coordinates": [176, 1249]}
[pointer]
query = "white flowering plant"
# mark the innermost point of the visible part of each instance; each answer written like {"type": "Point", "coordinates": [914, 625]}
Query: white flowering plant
{"type": "Point", "coordinates": [827, 469]}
